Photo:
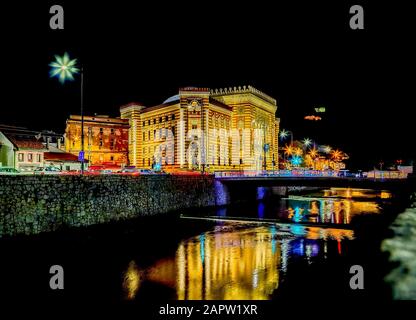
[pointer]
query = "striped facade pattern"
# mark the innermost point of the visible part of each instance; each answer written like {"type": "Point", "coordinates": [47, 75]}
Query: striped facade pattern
{"type": "Point", "coordinates": [205, 129]}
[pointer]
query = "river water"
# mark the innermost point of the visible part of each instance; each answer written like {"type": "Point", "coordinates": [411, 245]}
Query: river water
{"type": "Point", "coordinates": [299, 247]}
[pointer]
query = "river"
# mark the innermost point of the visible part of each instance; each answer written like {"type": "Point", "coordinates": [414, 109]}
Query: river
{"type": "Point", "coordinates": [299, 247]}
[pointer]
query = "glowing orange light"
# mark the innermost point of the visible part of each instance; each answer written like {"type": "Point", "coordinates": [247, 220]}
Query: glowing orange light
{"type": "Point", "coordinates": [336, 155]}
{"type": "Point", "coordinates": [313, 153]}
{"type": "Point", "coordinates": [314, 118]}
{"type": "Point", "coordinates": [298, 151]}
{"type": "Point", "coordinates": [288, 150]}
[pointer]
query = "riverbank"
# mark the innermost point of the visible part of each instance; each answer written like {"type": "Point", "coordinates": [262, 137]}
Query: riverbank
{"type": "Point", "coordinates": [36, 204]}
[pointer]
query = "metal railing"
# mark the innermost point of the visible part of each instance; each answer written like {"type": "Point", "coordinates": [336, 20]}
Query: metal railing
{"type": "Point", "coordinates": [309, 174]}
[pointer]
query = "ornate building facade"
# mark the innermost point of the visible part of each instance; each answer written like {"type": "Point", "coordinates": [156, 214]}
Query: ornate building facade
{"type": "Point", "coordinates": [105, 139]}
{"type": "Point", "coordinates": [203, 129]}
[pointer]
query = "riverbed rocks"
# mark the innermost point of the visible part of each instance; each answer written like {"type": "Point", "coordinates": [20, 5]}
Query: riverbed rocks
{"type": "Point", "coordinates": [34, 204]}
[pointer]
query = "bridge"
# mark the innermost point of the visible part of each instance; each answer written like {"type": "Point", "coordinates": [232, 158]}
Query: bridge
{"type": "Point", "coordinates": [324, 182]}
{"type": "Point", "coordinates": [240, 185]}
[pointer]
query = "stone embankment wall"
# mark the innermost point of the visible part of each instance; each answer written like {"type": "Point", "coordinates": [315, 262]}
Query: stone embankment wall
{"type": "Point", "coordinates": [34, 204]}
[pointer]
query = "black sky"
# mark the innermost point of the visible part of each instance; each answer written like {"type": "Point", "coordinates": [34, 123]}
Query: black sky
{"type": "Point", "coordinates": [303, 54]}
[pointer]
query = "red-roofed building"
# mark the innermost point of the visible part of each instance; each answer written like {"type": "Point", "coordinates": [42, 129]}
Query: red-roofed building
{"type": "Point", "coordinates": [24, 149]}
{"type": "Point", "coordinates": [63, 160]}
{"type": "Point", "coordinates": [20, 149]}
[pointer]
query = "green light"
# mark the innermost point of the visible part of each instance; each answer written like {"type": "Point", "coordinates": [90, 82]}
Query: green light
{"type": "Point", "coordinates": [307, 142]}
{"type": "Point", "coordinates": [283, 134]}
{"type": "Point", "coordinates": [327, 149]}
{"type": "Point", "coordinates": [63, 68]}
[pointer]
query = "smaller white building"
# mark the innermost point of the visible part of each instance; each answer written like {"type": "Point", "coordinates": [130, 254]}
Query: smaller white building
{"type": "Point", "coordinates": [55, 157]}
{"type": "Point", "coordinates": [21, 151]}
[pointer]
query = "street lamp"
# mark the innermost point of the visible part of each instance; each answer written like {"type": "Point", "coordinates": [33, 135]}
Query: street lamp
{"type": "Point", "coordinates": [284, 133]}
{"type": "Point", "coordinates": [327, 149]}
{"type": "Point", "coordinates": [266, 146]}
{"type": "Point", "coordinates": [64, 69]}
{"type": "Point", "coordinates": [307, 142]}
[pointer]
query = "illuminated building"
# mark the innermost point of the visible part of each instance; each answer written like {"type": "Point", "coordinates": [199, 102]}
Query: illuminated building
{"type": "Point", "coordinates": [62, 160]}
{"type": "Point", "coordinates": [203, 129]}
{"type": "Point", "coordinates": [105, 139]}
{"type": "Point", "coordinates": [25, 152]}
{"type": "Point", "coordinates": [24, 149]}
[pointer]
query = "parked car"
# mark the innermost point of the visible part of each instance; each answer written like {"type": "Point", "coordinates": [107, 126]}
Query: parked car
{"type": "Point", "coordinates": [105, 171]}
{"type": "Point", "coordinates": [47, 170]}
{"type": "Point", "coordinates": [8, 171]}
{"type": "Point", "coordinates": [162, 172]}
{"type": "Point", "coordinates": [145, 171]}
{"type": "Point", "coordinates": [130, 169]}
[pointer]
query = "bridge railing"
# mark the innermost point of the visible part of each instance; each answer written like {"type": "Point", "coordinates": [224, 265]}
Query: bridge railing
{"type": "Point", "coordinates": [378, 175]}
{"type": "Point", "coordinates": [276, 173]}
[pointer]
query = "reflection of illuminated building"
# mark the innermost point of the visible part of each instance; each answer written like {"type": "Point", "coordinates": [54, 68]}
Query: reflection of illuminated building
{"type": "Point", "coordinates": [237, 265]}
{"type": "Point", "coordinates": [331, 210]}
{"type": "Point", "coordinates": [357, 193]}
{"type": "Point", "coordinates": [131, 281]}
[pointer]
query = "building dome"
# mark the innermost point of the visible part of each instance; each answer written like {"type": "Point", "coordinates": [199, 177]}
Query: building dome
{"type": "Point", "coordinates": [172, 98]}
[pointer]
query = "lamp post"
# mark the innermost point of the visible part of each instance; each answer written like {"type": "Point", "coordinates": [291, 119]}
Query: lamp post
{"type": "Point", "coordinates": [283, 135]}
{"type": "Point", "coordinates": [82, 122]}
{"type": "Point", "coordinates": [64, 69]}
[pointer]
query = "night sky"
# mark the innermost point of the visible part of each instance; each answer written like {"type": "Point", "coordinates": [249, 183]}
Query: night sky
{"type": "Point", "coordinates": [304, 55]}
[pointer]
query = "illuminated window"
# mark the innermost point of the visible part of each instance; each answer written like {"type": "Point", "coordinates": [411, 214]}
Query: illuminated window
{"type": "Point", "coordinates": [240, 123]}
{"type": "Point", "coordinates": [20, 157]}
{"type": "Point", "coordinates": [194, 124]}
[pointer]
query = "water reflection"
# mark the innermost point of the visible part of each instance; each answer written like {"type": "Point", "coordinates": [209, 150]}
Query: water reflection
{"type": "Point", "coordinates": [334, 206]}
{"type": "Point", "coordinates": [131, 281]}
{"type": "Point", "coordinates": [240, 259]}
{"type": "Point", "coordinates": [333, 211]}
{"type": "Point", "coordinates": [357, 193]}
{"type": "Point", "coordinates": [237, 260]}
